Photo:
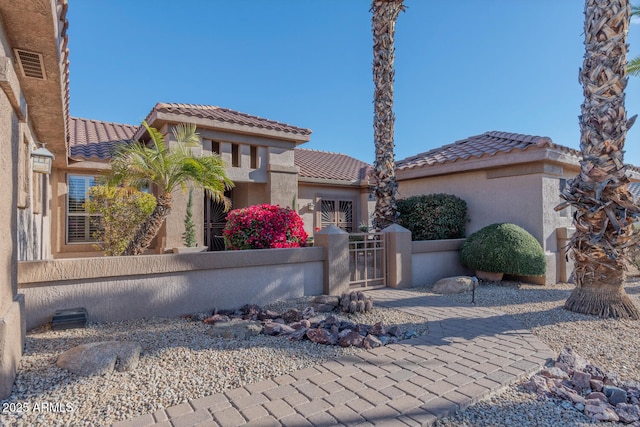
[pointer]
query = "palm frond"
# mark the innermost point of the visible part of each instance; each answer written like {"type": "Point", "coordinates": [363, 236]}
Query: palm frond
{"type": "Point", "coordinates": [186, 134]}
{"type": "Point", "coordinates": [633, 66]}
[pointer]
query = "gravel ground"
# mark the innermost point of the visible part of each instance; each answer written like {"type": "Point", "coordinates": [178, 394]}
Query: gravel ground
{"type": "Point", "coordinates": [179, 361]}
{"type": "Point", "coordinates": [612, 344]}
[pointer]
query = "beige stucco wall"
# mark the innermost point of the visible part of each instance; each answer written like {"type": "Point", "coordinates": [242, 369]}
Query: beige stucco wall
{"type": "Point", "coordinates": [313, 192]}
{"type": "Point", "coordinates": [523, 194]}
{"type": "Point", "coordinates": [117, 288]}
{"type": "Point", "coordinates": [434, 259]}
{"type": "Point", "coordinates": [11, 304]}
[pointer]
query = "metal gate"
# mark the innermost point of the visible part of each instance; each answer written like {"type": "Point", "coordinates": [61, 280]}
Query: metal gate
{"type": "Point", "coordinates": [215, 218]}
{"type": "Point", "coordinates": [367, 260]}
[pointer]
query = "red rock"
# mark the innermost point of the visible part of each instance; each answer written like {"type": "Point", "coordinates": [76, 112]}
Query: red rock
{"type": "Point", "coordinates": [596, 385]}
{"type": "Point", "coordinates": [581, 380]}
{"type": "Point", "coordinates": [320, 336]}
{"type": "Point", "coordinates": [216, 318]}
{"type": "Point", "coordinates": [554, 373]}
{"type": "Point", "coordinates": [627, 413]}
{"type": "Point", "coordinates": [351, 338]}
{"type": "Point", "coordinates": [371, 341]}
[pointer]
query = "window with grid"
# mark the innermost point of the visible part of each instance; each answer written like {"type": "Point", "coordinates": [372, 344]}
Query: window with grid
{"type": "Point", "coordinates": [80, 225]}
{"type": "Point", "coordinates": [338, 213]}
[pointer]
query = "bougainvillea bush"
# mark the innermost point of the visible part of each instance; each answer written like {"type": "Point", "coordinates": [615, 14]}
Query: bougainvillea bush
{"type": "Point", "coordinates": [262, 227]}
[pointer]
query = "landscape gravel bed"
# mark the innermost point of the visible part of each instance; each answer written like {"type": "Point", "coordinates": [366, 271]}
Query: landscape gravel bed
{"type": "Point", "coordinates": [612, 344]}
{"type": "Point", "coordinates": [179, 361]}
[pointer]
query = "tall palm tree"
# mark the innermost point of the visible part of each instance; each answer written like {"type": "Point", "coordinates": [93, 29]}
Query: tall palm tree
{"type": "Point", "coordinates": [385, 14]}
{"type": "Point", "coordinates": [599, 193]}
{"type": "Point", "coordinates": [167, 168]}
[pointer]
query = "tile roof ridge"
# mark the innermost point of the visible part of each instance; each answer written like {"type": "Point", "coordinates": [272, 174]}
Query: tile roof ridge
{"type": "Point", "coordinates": [321, 151]}
{"type": "Point", "coordinates": [187, 105]}
{"type": "Point", "coordinates": [102, 121]}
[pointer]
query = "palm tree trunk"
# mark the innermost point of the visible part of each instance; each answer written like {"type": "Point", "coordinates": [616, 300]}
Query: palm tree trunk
{"type": "Point", "coordinates": [385, 14]}
{"type": "Point", "coordinates": [150, 228]}
{"type": "Point", "coordinates": [599, 193]}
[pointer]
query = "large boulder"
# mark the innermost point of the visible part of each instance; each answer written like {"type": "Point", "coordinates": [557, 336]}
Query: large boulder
{"type": "Point", "coordinates": [453, 285]}
{"type": "Point", "coordinates": [100, 358]}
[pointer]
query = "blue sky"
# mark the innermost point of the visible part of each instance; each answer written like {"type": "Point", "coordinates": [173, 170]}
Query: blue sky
{"type": "Point", "coordinates": [481, 65]}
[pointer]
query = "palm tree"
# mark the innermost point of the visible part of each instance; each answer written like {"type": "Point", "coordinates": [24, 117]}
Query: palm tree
{"type": "Point", "coordinates": [633, 67]}
{"type": "Point", "coordinates": [167, 168]}
{"type": "Point", "coordinates": [385, 14]}
{"type": "Point", "coordinates": [603, 205]}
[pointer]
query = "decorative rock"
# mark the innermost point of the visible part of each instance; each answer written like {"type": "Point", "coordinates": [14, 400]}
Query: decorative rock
{"type": "Point", "coordinates": [410, 334]}
{"type": "Point", "coordinates": [569, 361]}
{"type": "Point", "coordinates": [292, 315]}
{"type": "Point", "coordinates": [320, 336]}
{"type": "Point", "coordinates": [538, 384]}
{"type": "Point", "coordinates": [100, 358]}
{"type": "Point", "coordinates": [217, 318]}
{"type": "Point", "coordinates": [597, 396]}
{"type": "Point", "coordinates": [627, 413]}
{"type": "Point", "coordinates": [362, 329]}
{"type": "Point", "coordinates": [377, 329]}
{"type": "Point", "coordinates": [394, 331]}
{"type": "Point", "coordinates": [323, 308]}
{"type": "Point", "coordinates": [326, 300]}
{"type": "Point", "coordinates": [596, 385]}
{"type": "Point", "coordinates": [581, 380]}
{"type": "Point", "coordinates": [351, 338]}
{"type": "Point", "coordinates": [611, 378]}
{"type": "Point", "coordinates": [308, 312]}
{"type": "Point", "coordinates": [371, 341]}
{"type": "Point", "coordinates": [595, 372]}
{"type": "Point", "coordinates": [268, 314]}
{"type": "Point", "coordinates": [241, 329]}
{"type": "Point", "coordinates": [615, 394]}
{"type": "Point", "coordinates": [453, 285]}
{"type": "Point", "coordinates": [554, 372]}
{"type": "Point", "coordinates": [601, 412]}
{"type": "Point", "coordinates": [298, 334]}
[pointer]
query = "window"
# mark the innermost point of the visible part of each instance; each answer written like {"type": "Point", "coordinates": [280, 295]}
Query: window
{"type": "Point", "coordinates": [80, 225]}
{"type": "Point", "coordinates": [235, 155]}
{"type": "Point", "coordinates": [254, 157]}
{"type": "Point", "coordinates": [338, 213]}
{"type": "Point", "coordinates": [209, 145]}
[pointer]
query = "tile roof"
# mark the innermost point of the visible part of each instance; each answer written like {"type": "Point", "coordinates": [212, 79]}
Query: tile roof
{"type": "Point", "coordinates": [228, 116]}
{"type": "Point", "coordinates": [94, 139]}
{"type": "Point", "coordinates": [326, 165]}
{"type": "Point", "coordinates": [487, 144]}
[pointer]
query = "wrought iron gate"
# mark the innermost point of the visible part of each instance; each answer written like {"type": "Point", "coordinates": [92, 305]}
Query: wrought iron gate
{"type": "Point", "coordinates": [367, 260]}
{"type": "Point", "coordinates": [215, 218]}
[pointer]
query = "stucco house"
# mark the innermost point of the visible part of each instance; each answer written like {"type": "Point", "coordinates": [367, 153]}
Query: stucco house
{"type": "Point", "coordinates": [503, 177]}
{"type": "Point", "coordinates": [33, 109]}
{"type": "Point", "coordinates": [263, 160]}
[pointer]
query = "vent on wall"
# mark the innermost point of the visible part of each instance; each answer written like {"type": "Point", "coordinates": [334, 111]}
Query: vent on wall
{"type": "Point", "coordinates": [31, 64]}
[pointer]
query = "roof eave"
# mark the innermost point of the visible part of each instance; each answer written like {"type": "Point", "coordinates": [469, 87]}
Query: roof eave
{"type": "Point", "coordinates": [531, 154]}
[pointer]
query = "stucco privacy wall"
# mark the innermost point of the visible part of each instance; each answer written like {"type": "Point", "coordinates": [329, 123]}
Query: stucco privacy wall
{"type": "Point", "coordinates": [11, 305]}
{"type": "Point", "coordinates": [434, 259]}
{"type": "Point", "coordinates": [117, 288]}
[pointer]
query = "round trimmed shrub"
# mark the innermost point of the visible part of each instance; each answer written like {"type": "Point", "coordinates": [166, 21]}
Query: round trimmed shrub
{"type": "Point", "coordinates": [504, 248]}
{"type": "Point", "coordinates": [264, 226]}
{"type": "Point", "coordinates": [433, 216]}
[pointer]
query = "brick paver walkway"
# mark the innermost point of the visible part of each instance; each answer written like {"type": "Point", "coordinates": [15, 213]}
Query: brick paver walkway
{"type": "Point", "coordinates": [468, 353]}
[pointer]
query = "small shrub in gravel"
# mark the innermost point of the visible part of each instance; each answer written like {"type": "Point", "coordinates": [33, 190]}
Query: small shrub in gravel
{"type": "Point", "coordinates": [504, 248]}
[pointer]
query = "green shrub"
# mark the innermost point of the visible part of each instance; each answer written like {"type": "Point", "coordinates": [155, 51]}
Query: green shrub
{"type": "Point", "coordinates": [504, 248]}
{"type": "Point", "coordinates": [433, 216]}
{"type": "Point", "coordinates": [120, 212]}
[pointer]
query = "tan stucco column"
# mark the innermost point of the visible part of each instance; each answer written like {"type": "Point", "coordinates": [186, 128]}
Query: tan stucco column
{"type": "Point", "coordinates": [336, 264]}
{"type": "Point", "coordinates": [564, 263]}
{"type": "Point", "coordinates": [398, 256]}
{"type": "Point", "coordinates": [282, 184]}
{"type": "Point", "coordinates": [13, 112]}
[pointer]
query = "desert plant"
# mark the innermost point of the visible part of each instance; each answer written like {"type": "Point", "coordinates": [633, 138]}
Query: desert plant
{"type": "Point", "coordinates": [120, 212]}
{"type": "Point", "coordinates": [167, 168]}
{"type": "Point", "coordinates": [433, 216]}
{"type": "Point", "coordinates": [264, 226]}
{"type": "Point", "coordinates": [504, 248]}
{"type": "Point", "coordinates": [189, 235]}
